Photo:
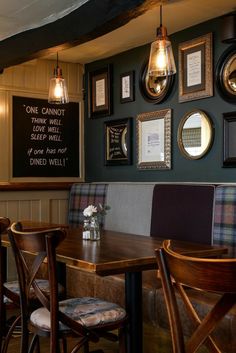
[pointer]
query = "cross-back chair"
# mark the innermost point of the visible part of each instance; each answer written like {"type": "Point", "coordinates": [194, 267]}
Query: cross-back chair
{"type": "Point", "coordinates": [10, 296]}
{"type": "Point", "coordinates": [88, 318]}
{"type": "Point", "coordinates": [178, 273]}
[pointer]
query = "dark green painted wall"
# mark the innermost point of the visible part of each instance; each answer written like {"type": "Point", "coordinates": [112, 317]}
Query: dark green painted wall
{"type": "Point", "coordinates": [207, 169]}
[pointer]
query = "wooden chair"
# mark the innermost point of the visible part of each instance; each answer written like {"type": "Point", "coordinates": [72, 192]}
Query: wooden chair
{"type": "Point", "coordinates": [178, 273]}
{"type": "Point", "coordinates": [10, 296]}
{"type": "Point", "coordinates": [88, 318]}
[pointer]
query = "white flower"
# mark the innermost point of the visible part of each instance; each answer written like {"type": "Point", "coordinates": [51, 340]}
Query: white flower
{"type": "Point", "coordinates": [89, 211]}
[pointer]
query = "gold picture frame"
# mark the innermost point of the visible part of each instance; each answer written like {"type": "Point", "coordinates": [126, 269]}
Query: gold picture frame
{"type": "Point", "coordinates": [195, 69]}
{"type": "Point", "coordinates": [154, 140]}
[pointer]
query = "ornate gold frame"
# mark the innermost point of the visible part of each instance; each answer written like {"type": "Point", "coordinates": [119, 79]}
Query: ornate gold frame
{"type": "Point", "coordinates": [153, 139]}
{"type": "Point", "coordinates": [189, 70]}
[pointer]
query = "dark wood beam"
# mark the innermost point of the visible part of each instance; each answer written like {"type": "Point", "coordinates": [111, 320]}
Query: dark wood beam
{"type": "Point", "coordinates": [93, 19]}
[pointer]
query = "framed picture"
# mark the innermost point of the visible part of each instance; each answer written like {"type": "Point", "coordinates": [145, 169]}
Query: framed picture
{"type": "Point", "coordinates": [117, 142]}
{"type": "Point", "coordinates": [229, 141]}
{"type": "Point", "coordinates": [100, 92]}
{"type": "Point", "coordinates": [195, 69]}
{"type": "Point", "coordinates": [154, 140]}
{"type": "Point", "coordinates": [127, 87]}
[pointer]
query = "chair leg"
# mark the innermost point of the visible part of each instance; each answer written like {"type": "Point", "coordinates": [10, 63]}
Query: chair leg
{"type": "Point", "coordinates": [86, 347]}
{"type": "Point", "coordinates": [9, 334]}
{"type": "Point", "coordinates": [122, 340]}
{"type": "Point", "coordinates": [34, 343]}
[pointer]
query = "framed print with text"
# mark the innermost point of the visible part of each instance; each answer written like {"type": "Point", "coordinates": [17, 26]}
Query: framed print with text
{"type": "Point", "coordinates": [100, 92]}
{"type": "Point", "coordinates": [229, 141]}
{"type": "Point", "coordinates": [195, 69]}
{"type": "Point", "coordinates": [154, 140]}
{"type": "Point", "coordinates": [127, 87]}
{"type": "Point", "coordinates": [117, 142]}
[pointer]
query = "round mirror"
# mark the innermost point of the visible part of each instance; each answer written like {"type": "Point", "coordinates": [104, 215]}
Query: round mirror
{"type": "Point", "coordinates": [226, 74]}
{"type": "Point", "coordinates": [156, 89]}
{"type": "Point", "coordinates": [195, 134]}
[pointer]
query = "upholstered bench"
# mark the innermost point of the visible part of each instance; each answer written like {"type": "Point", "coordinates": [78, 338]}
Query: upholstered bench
{"type": "Point", "coordinates": [194, 212]}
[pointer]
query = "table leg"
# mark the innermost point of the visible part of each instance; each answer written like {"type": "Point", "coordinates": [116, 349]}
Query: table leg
{"type": "Point", "coordinates": [133, 295]}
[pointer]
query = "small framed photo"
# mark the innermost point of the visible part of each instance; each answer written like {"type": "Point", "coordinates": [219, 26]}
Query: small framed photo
{"type": "Point", "coordinates": [118, 142]}
{"type": "Point", "coordinates": [229, 141]}
{"type": "Point", "coordinates": [154, 140]}
{"type": "Point", "coordinates": [127, 87]}
{"type": "Point", "coordinates": [195, 69]}
{"type": "Point", "coordinates": [100, 92]}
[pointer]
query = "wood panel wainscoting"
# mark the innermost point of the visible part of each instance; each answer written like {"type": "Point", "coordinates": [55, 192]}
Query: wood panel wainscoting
{"type": "Point", "coordinates": [49, 206]}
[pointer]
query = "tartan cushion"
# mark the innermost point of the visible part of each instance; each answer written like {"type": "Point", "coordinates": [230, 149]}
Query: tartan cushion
{"type": "Point", "coordinates": [83, 195]}
{"type": "Point", "coordinates": [87, 311]}
{"type": "Point", "coordinates": [224, 229]}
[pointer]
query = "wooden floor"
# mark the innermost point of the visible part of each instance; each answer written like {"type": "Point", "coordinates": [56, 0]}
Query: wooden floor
{"type": "Point", "coordinates": [155, 341]}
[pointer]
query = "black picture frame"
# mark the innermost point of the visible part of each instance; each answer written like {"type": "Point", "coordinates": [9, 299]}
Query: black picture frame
{"type": "Point", "coordinates": [127, 87]}
{"type": "Point", "coordinates": [117, 136]}
{"type": "Point", "coordinates": [229, 141]}
{"type": "Point", "coordinates": [100, 92]}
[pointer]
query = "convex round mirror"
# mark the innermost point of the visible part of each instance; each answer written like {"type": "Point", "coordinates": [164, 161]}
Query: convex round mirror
{"type": "Point", "coordinates": [226, 74]}
{"type": "Point", "coordinates": [195, 134]}
{"type": "Point", "coordinates": [154, 90]}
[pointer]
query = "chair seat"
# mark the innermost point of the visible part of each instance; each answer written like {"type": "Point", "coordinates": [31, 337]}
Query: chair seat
{"type": "Point", "coordinates": [43, 284]}
{"type": "Point", "coordinates": [87, 311]}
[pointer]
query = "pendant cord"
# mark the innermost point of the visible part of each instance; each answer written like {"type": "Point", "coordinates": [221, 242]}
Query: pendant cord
{"type": "Point", "coordinates": [160, 15]}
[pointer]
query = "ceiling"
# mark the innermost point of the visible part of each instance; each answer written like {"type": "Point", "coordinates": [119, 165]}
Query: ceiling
{"type": "Point", "coordinates": [177, 15]}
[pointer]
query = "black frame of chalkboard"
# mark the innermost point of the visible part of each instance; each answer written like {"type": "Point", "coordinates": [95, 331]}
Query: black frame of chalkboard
{"type": "Point", "coordinates": [34, 155]}
{"type": "Point", "coordinates": [120, 153]}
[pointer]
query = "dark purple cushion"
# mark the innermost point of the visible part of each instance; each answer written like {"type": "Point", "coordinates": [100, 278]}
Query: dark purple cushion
{"type": "Point", "coordinates": [183, 212]}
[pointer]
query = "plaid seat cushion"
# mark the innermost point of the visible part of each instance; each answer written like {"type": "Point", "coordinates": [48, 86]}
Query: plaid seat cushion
{"type": "Point", "coordinates": [87, 311]}
{"type": "Point", "coordinates": [83, 195]}
{"type": "Point", "coordinates": [224, 229]}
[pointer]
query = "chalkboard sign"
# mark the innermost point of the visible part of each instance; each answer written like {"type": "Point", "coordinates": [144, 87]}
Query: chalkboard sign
{"type": "Point", "coordinates": [45, 138]}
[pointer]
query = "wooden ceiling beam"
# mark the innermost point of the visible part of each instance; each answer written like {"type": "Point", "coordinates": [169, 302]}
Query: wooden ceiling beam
{"type": "Point", "coordinates": [91, 20]}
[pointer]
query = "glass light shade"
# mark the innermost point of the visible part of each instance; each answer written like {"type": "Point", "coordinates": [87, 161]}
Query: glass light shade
{"type": "Point", "coordinates": [161, 59]}
{"type": "Point", "coordinates": [57, 89]}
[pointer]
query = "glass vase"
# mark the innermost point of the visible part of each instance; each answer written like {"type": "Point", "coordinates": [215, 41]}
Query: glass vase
{"type": "Point", "coordinates": [94, 229]}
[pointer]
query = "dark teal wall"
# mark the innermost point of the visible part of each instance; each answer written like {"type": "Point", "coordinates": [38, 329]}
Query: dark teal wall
{"type": "Point", "coordinates": [207, 169]}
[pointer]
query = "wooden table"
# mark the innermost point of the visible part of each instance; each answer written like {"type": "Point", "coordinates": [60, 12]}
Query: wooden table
{"type": "Point", "coordinates": [118, 253]}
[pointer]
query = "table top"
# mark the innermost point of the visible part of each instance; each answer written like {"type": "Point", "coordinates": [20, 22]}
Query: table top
{"type": "Point", "coordinates": [116, 252]}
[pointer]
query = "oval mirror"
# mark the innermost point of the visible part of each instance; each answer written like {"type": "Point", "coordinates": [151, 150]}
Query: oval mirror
{"type": "Point", "coordinates": [156, 89]}
{"type": "Point", "coordinates": [226, 74]}
{"type": "Point", "coordinates": [195, 134]}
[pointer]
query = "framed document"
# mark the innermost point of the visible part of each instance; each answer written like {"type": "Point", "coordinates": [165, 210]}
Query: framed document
{"type": "Point", "coordinates": [195, 69]}
{"type": "Point", "coordinates": [127, 87]}
{"type": "Point", "coordinates": [100, 92]}
{"type": "Point", "coordinates": [154, 140]}
{"type": "Point", "coordinates": [117, 142]}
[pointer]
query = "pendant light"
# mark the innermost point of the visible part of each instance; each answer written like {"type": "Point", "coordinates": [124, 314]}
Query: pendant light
{"type": "Point", "coordinates": [57, 88]}
{"type": "Point", "coordinates": [161, 59]}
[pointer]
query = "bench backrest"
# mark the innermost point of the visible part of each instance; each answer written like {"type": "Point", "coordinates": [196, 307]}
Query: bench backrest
{"type": "Point", "coordinates": [183, 212]}
{"type": "Point", "coordinates": [224, 229]}
{"type": "Point", "coordinates": [83, 195]}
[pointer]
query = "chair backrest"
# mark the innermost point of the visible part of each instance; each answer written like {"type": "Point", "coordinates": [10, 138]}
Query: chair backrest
{"type": "Point", "coordinates": [83, 195]}
{"type": "Point", "coordinates": [183, 212]}
{"type": "Point", "coordinates": [211, 275]}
